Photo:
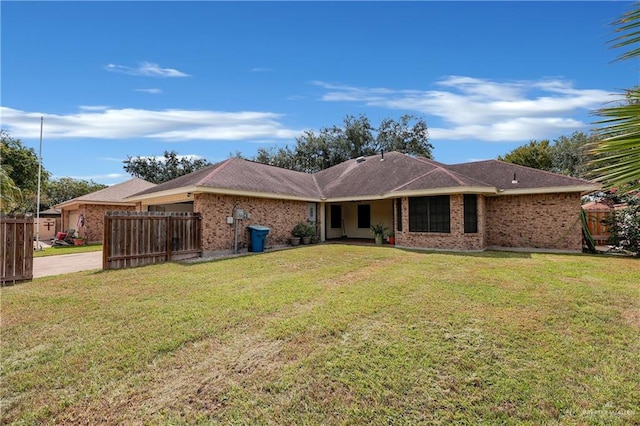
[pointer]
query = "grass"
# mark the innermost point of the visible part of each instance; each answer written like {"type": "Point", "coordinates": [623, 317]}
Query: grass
{"type": "Point", "coordinates": [58, 250]}
{"type": "Point", "coordinates": [329, 334]}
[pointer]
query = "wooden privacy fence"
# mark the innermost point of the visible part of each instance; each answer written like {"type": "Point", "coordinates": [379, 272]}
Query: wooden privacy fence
{"type": "Point", "coordinates": [16, 249]}
{"type": "Point", "coordinates": [143, 238]}
{"type": "Point", "coordinates": [597, 223]}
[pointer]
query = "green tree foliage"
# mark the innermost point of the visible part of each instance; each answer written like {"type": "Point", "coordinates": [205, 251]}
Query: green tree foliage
{"type": "Point", "coordinates": [20, 163]}
{"type": "Point", "coordinates": [534, 154]}
{"type": "Point", "coordinates": [10, 194]}
{"type": "Point", "coordinates": [568, 155]}
{"type": "Point", "coordinates": [356, 137]}
{"type": "Point", "coordinates": [20, 166]}
{"type": "Point", "coordinates": [618, 151]}
{"type": "Point", "coordinates": [159, 170]}
{"type": "Point", "coordinates": [571, 156]}
{"type": "Point", "coordinates": [64, 189]}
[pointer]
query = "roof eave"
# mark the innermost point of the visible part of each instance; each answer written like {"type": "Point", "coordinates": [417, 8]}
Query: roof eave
{"type": "Point", "coordinates": [416, 193]}
{"type": "Point", "coordinates": [68, 204]}
{"type": "Point", "coordinates": [146, 198]}
{"type": "Point", "coordinates": [583, 189]}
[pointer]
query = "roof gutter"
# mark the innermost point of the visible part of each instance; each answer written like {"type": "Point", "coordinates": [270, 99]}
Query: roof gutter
{"type": "Point", "coordinates": [224, 191]}
{"type": "Point", "coordinates": [416, 193]}
{"type": "Point", "coordinates": [68, 204]}
{"type": "Point", "coordinates": [583, 189]}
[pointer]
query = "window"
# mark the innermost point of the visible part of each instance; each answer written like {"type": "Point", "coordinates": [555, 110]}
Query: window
{"type": "Point", "coordinates": [470, 213]}
{"type": "Point", "coordinates": [364, 216]}
{"type": "Point", "coordinates": [399, 214]}
{"type": "Point", "coordinates": [429, 214]}
{"type": "Point", "coordinates": [336, 216]}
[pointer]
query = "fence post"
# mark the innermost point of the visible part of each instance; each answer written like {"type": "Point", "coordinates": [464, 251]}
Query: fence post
{"type": "Point", "coordinates": [106, 241]}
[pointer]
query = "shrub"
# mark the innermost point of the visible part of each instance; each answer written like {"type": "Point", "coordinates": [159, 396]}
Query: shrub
{"type": "Point", "coordinates": [625, 226]}
{"type": "Point", "coordinates": [304, 229]}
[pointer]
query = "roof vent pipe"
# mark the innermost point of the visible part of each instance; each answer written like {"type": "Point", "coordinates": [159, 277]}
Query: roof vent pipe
{"type": "Point", "coordinates": [360, 160]}
{"type": "Point", "coordinates": [382, 155]}
{"type": "Point", "coordinates": [514, 180]}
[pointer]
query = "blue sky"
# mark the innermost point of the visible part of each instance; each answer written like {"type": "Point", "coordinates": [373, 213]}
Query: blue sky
{"type": "Point", "coordinates": [113, 79]}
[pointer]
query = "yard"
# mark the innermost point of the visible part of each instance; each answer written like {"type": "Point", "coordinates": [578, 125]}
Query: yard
{"type": "Point", "coordinates": [329, 334]}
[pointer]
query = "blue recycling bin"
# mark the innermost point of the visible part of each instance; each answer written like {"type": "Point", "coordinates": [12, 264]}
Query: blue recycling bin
{"type": "Point", "coordinates": [258, 236]}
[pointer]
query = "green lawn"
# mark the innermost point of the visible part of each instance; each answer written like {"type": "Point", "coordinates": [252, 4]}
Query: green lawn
{"type": "Point", "coordinates": [58, 250]}
{"type": "Point", "coordinates": [329, 334]}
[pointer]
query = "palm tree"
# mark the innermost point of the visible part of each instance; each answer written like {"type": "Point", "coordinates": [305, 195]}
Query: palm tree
{"type": "Point", "coordinates": [618, 151]}
{"type": "Point", "coordinates": [10, 194]}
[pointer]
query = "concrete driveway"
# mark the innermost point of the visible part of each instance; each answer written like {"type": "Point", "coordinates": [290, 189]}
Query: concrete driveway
{"type": "Point", "coordinates": [66, 263]}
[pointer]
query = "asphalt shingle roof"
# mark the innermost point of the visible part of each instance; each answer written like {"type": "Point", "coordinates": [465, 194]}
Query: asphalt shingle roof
{"type": "Point", "coordinates": [243, 175]}
{"type": "Point", "coordinates": [114, 193]}
{"type": "Point", "coordinates": [501, 174]}
{"type": "Point", "coordinates": [367, 177]}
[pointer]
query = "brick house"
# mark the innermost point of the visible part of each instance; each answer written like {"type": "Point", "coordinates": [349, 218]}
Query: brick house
{"type": "Point", "coordinates": [427, 204]}
{"type": "Point", "coordinates": [93, 207]}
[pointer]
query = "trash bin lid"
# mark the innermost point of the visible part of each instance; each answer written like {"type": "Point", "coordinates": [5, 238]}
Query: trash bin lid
{"type": "Point", "coordinates": [258, 228]}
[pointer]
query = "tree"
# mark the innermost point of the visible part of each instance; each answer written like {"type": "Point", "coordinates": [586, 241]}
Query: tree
{"type": "Point", "coordinates": [534, 154]}
{"type": "Point", "coordinates": [21, 164]}
{"type": "Point", "coordinates": [618, 151]}
{"type": "Point", "coordinates": [64, 189]}
{"type": "Point", "coordinates": [356, 137]}
{"type": "Point", "coordinates": [10, 194]}
{"type": "Point", "coordinates": [400, 136]}
{"type": "Point", "coordinates": [159, 170]}
{"type": "Point", "coordinates": [570, 154]}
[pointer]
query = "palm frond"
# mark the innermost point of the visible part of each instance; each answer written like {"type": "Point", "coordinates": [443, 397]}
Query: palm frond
{"type": "Point", "coordinates": [629, 26]}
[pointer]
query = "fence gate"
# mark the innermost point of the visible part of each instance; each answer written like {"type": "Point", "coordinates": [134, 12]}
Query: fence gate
{"type": "Point", "coordinates": [597, 223]}
{"type": "Point", "coordinates": [143, 238]}
{"type": "Point", "coordinates": [16, 249]}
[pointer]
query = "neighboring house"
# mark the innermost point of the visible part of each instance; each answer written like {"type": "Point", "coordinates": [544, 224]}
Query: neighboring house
{"type": "Point", "coordinates": [49, 224]}
{"type": "Point", "coordinates": [93, 207]}
{"type": "Point", "coordinates": [427, 204]}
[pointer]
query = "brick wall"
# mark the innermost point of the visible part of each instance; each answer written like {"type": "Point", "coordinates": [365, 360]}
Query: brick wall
{"type": "Point", "coordinates": [549, 221]}
{"type": "Point", "coordinates": [455, 240]}
{"type": "Point", "coordinates": [94, 219]}
{"type": "Point", "coordinates": [280, 216]}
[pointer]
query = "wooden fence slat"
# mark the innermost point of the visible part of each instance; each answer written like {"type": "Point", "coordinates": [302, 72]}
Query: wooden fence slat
{"type": "Point", "coordinates": [16, 249]}
{"type": "Point", "coordinates": [142, 238]}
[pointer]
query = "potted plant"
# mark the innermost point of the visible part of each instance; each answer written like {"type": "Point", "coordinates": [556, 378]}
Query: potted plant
{"type": "Point", "coordinates": [392, 238]}
{"type": "Point", "coordinates": [299, 232]}
{"type": "Point", "coordinates": [378, 231]}
{"type": "Point", "coordinates": [78, 241]}
{"type": "Point", "coordinates": [312, 233]}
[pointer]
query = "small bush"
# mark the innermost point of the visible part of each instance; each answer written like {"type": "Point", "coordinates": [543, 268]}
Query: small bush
{"type": "Point", "coordinates": [625, 226]}
{"type": "Point", "coordinates": [304, 229]}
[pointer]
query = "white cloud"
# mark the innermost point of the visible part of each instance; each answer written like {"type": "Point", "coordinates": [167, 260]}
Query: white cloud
{"type": "Point", "coordinates": [93, 107]}
{"type": "Point", "coordinates": [473, 108]}
{"type": "Point", "coordinates": [153, 91]}
{"type": "Point", "coordinates": [146, 69]}
{"type": "Point", "coordinates": [112, 159]}
{"type": "Point", "coordinates": [96, 177]}
{"type": "Point", "coordinates": [259, 69]}
{"type": "Point", "coordinates": [169, 124]}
